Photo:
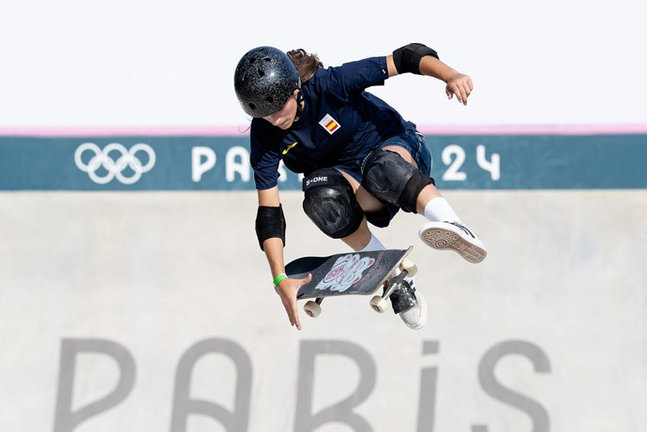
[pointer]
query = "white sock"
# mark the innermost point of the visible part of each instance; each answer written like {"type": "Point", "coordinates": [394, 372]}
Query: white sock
{"type": "Point", "coordinates": [374, 244]}
{"type": "Point", "coordinates": [439, 210]}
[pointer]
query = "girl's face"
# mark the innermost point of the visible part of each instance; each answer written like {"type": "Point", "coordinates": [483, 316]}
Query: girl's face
{"type": "Point", "coordinates": [284, 117]}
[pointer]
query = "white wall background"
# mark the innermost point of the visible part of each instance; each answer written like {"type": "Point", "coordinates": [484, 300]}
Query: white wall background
{"type": "Point", "coordinates": [159, 272]}
{"type": "Point", "coordinates": [160, 63]}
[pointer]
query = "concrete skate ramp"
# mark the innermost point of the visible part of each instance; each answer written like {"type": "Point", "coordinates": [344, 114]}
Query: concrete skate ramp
{"type": "Point", "coordinates": [155, 311]}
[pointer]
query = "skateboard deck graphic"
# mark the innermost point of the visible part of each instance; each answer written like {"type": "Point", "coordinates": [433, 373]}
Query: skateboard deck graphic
{"type": "Point", "coordinates": [351, 273]}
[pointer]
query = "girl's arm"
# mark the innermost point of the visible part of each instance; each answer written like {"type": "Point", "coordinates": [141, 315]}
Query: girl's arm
{"type": "Point", "coordinates": [457, 83]}
{"type": "Point", "coordinates": [273, 247]}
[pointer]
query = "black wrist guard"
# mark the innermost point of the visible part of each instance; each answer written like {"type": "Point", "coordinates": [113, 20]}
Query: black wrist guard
{"type": "Point", "coordinates": [407, 58]}
{"type": "Point", "coordinates": [270, 222]}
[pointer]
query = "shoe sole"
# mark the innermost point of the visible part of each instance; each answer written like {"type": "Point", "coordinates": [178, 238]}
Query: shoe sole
{"type": "Point", "coordinates": [443, 238]}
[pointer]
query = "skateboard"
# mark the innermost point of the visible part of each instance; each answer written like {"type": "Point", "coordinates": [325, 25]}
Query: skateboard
{"type": "Point", "coordinates": [356, 273]}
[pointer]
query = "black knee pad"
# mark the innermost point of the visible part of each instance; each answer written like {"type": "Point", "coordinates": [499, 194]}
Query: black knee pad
{"type": "Point", "coordinates": [331, 204]}
{"type": "Point", "coordinates": [389, 178]}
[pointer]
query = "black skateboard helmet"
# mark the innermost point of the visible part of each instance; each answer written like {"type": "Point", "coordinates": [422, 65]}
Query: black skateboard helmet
{"type": "Point", "coordinates": [264, 80]}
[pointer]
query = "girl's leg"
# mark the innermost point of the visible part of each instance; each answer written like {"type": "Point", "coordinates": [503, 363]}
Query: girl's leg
{"type": "Point", "coordinates": [360, 239]}
{"type": "Point", "coordinates": [445, 230]}
{"type": "Point", "coordinates": [441, 210]}
{"type": "Point", "coordinates": [364, 240]}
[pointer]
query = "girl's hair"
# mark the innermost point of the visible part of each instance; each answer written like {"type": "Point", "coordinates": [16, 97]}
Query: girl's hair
{"type": "Point", "coordinates": [307, 64]}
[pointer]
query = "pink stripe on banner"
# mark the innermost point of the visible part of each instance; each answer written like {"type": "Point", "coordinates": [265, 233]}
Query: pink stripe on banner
{"type": "Point", "coordinates": [237, 131]}
{"type": "Point", "coordinates": [634, 129]}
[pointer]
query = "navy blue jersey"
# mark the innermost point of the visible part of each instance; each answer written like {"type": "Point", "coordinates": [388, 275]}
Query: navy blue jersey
{"type": "Point", "coordinates": [340, 124]}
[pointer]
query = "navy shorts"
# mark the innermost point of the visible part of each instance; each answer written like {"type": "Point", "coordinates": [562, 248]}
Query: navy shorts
{"type": "Point", "coordinates": [414, 143]}
{"type": "Point", "coordinates": [411, 140]}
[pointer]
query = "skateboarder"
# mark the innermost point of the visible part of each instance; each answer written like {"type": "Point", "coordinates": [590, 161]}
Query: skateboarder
{"type": "Point", "coordinates": [361, 160]}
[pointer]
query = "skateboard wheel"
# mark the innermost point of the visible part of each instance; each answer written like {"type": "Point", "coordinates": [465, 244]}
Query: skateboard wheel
{"type": "Point", "coordinates": [409, 267]}
{"type": "Point", "coordinates": [312, 309]}
{"type": "Point", "coordinates": [379, 304]}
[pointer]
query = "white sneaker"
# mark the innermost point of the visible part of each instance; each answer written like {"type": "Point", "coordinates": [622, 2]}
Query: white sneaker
{"type": "Point", "coordinates": [455, 236]}
{"type": "Point", "coordinates": [416, 317]}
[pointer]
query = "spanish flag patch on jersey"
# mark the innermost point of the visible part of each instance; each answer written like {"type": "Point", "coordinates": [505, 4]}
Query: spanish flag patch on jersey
{"type": "Point", "coordinates": [329, 123]}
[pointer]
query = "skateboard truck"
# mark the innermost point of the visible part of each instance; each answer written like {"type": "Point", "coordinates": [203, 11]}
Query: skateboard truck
{"type": "Point", "coordinates": [380, 303]}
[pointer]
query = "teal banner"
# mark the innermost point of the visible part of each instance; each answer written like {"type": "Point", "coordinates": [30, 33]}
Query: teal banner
{"type": "Point", "coordinates": [222, 163]}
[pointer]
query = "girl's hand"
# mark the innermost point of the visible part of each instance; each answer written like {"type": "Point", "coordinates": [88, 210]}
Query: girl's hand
{"type": "Point", "coordinates": [459, 85]}
{"type": "Point", "coordinates": [288, 289]}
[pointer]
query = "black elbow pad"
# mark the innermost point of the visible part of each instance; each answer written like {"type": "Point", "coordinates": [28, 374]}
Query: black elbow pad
{"type": "Point", "coordinates": [407, 58]}
{"type": "Point", "coordinates": [270, 222]}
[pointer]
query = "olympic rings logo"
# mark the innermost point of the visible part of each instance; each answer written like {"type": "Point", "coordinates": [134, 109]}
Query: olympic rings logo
{"type": "Point", "coordinates": [114, 168]}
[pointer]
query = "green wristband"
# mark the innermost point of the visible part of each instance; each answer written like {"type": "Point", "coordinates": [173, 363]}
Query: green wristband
{"type": "Point", "coordinates": [279, 278]}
